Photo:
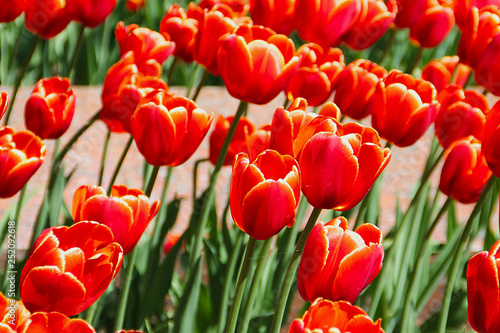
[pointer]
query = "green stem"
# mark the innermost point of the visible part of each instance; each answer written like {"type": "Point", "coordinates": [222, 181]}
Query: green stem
{"type": "Point", "coordinates": [200, 85]}
{"type": "Point", "coordinates": [127, 282]}
{"type": "Point", "coordinates": [455, 265]}
{"type": "Point", "coordinates": [388, 45]}
{"type": "Point", "coordinates": [151, 182]}
{"type": "Point", "coordinates": [469, 80]}
{"type": "Point", "coordinates": [103, 158]}
{"type": "Point", "coordinates": [290, 272]}
{"type": "Point", "coordinates": [195, 176]}
{"type": "Point", "coordinates": [75, 52]}
{"type": "Point", "coordinates": [286, 103]}
{"type": "Point", "coordinates": [120, 163]}
{"type": "Point", "coordinates": [240, 287]}
{"type": "Point", "coordinates": [416, 60]}
{"type": "Point", "coordinates": [171, 71]}
{"type": "Point", "coordinates": [93, 310]}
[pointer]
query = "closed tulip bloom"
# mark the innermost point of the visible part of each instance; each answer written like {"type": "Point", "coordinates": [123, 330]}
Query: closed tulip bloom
{"type": "Point", "coordinates": [487, 72]}
{"type": "Point", "coordinates": [54, 322]}
{"type": "Point", "coordinates": [439, 72]}
{"type": "Point", "coordinates": [170, 241]}
{"type": "Point", "coordinates": [238, 143]}
{"type": "Point", "coordinates": [46, 18]}
{"type": "Point", "coordinates": [434, 25]}
{"type": "Point", "coordinates": [168, 129]}
{"type": "Point", "coordinates": [373, 22]}
{"type": "Point", "coordinates": [12, 9]}
{"type": "Point", "coordinates": [12, 314]}
{"type": "Point", "coordinates": [264, 193]}
{"type": "Point", "coordinates": [135, 5]}
{"type": "Point", "coordinates": [410, 11]}
{"type": "Point", "coordinates": [275, 14]}
{"type": "Point", "coordinates": [337, 264]}
{"type": "Point", "coordinates": [463, 9]}
{"type": "Point", "coordinates": [90, 13]}
{"type": "Point", "coordinates": [325, 316]}
{"type": "Point", "coordinates": [483, 291]}
{"type": "Point", "coordinates": [127, 212]}
{"type": "Point", "coordinates": [21, 155]}
{"type": "Point", "coordinates": [403, 108]}
{"type": "Point", "coordinates": [491, 139]}
{"type": "Point", "coordinates": [258, 141]}
{"type": "Point", "coordinates": [318, 69]}
{"type": "Point", "coordinates": [239, 8]}
{"type": "Point", "coordinates": [355, 88]}
{"type": "Point", "coordinates": [69, 268]}
{"type": "Point", "coordinates": [465, 172]}
{"type": "Point", "coordinates": [50, 108]}
{"type": "Point", "coordinates": [4, 102]}
{"type": "Point", "coordinates": [256, 64]}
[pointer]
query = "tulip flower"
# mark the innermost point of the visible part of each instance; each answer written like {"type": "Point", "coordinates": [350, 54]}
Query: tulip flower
{"type": "Point", "coordinates": [135, 5]}
{"type": "Point", "coordinates": [4, 102]}
{"type": "Point", "coordinates": [69, 268]}
{"type": "Point", "coordinates": [90, 13]}
{"type": "Point", "coordinates": [54, 322]}
{"type": "Point", "coordinates": [337, 264]}
{"type": "Point", "coordinates": [487, 72]}
{"type": "Point", "coordinates": [463, 9]}
{"type": "Point", "coordinates": [355, 88]}
{"type": "Point", "coordinates": [439, 72]}
{"type": "Point", "coordinates": [433, 25]}
{"type": "Point", "coordinates": [264, 193]}
{"type": "Point", "coordinates": [465, 172]}
{"type": "Point", "coordinates": [21, 155]}
{"type": "Point", "coordinates": [277, 15]}
{"type": "Point", "coordinates": [258, 141]}
{"type": "Point", "coordinates": [46, 18]}
{"type": "Point", "coordinates": [325, 316]}
{"type": "Point", "coordinates": [326, 22]}
{"type": "Point", "coordinates": [168, 129]}
{"type": "Point", "coordinates": [314, 78]}
{"type": "Point", "coordinates": [170, 241]}
{"type": "Point", "coordinates": [462, 113]}
{"type": "Point", "coordinates": [239, 8]}
{"type": "Point", "coordinates": [403, 108]}
{"type": "Point", "coordinates": [238, 143]}
{"type": "Point", "coordinates": [12, 314]}
{"type": "Point", "coordinates": [127, 212]}
{"type": "Point", "coordinates": [12, 9]}
{"type": "Point", "coordinates": [255, 63]}
{"type": "Point", "coordinates": [50, 108]}
{"type": "Point", "coordinates": [491, 139]}
{"type": "Point", "coordinates": [483, 291]}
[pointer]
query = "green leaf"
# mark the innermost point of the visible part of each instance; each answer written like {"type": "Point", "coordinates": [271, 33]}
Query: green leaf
{"type": "Point", "coordinates": [185, 314]}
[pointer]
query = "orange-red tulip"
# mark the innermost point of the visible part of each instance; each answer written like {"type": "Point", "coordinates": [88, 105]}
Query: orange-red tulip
{"type": "Point", "coordinates": [325, 316]}
{"type": "Point", "coordinates": [12, 314]}
{"type": "Point", "coordinates": [135, 5]}
{"type": "Point", "coordinates": [314, 78]}
{"type": "Point", "coordinates": [168, 129]}
{"type": "Point", "coordinates": [355, 88]}
{"type": "Point", "coordinates": [337, 264]}
{"type": "Point", "coordinates": [90, 13]}
{"type": "Point", "coordinates": [69, 268]}
{"type": "Point", "coordinates": [483, 291]}
{"type": "Point", "coordinates": [21, 155]}
{"type": "Point", "coordinates": [491, 139]}
{"type": "Point", "coordinates": [258, 141]}
{"type": "Point", "coordinates": [487, 72]}
{"type": "Point", "coordinates": [238, 7]}
{"type": "Point", "coordinates": [255, 63]}
{"type": "Point", "coordinates": [403, 108]}
{"type": "Point", "coordinates": [275, 14]}
{"type": "Point", "coordinates": [265, 193]}
{"type": "Point", "coordinates": [50, 108]}
{"type": "Point", "coordinates": [170, 241]}
{"type": "Point", "coordinates": [46, 18]}
{"type": "Point", "coordinates": [4, 102]}
{"type": "Point", "coordinates": [434, 25]}
{"type": "Point", "coordinates": [439, 72]}
{"type": "Point", "coordinates": [463, 9]}
{"type": "Point", "coordinates": [127, 212]}
{"type": "Point", "coordinates": [54, 322]}
{"type": "Point", "coordinates": [238, 143]}
{"type": "Point", "coordinates": [12, 9]}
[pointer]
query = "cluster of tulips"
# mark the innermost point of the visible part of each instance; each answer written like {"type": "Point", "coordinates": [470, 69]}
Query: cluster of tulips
{"type": "Point", "coordinates": [300, 156]}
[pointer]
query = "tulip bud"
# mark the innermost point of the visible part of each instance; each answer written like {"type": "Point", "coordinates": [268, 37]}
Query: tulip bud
{"type": "Point", "coordinates": [46, 18]}
{"type": "Point", "coordinates": [276, 14]}
{"type": "Point", "coordinates": [12, 9]}
{"type": "Point", "coordinates": [90, 13]}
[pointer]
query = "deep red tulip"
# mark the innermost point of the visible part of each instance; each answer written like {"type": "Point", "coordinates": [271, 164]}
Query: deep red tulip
{"type": "Point", "coordinates": [265, 193]}
{"type": "Point", "coordinates": [434, 25]}
{"type": "Point", "coordinates": [4, 102]}
{"type": "Point", "coordinates": [465, 172]}
{"type": "Point", "coordinates": [463, 9]}
{"type": "Point", "coordinates": [314, 78]}
{"type": "Point", "coordinates": [50, 108]}
{"type": "Point", "coordinates": [373, 22]}
{"type": "Point", "coordinates": [12, 9]}
{"type": "Point", "coordinates": [340, 163]}
{"type": "Point", "coordinates": [90, 13]}
{"type": "Point", "coordinates": [355, 88]}
{"type": "Point", "coordinates": [135, 5]}
{"type": "Point", "coordinates": [168, 129]}
{"type": "Point", "coordinates": [491, 139]}
{"type": "Point", "coordinates": [462, 113]}
{"type": "Point", "coordinates": [275, 14]}
{"type": "Point", "coordinates": [410, 11]}
{"type": "Point", "coordinates": [69, 268]}
{"type": "Point", "coordinates": [337, 264]}
{"type": "Point", "coordinates": [403, 108]}
{"type": "Point", "coordinates": [258, 141]}
{"type": "Point", "coordinates": [483, 291]}
{"type": "Point", "coordinates": [487, 72]}
{"type": "Point", "coordinates": [439, 72]}
{"type": "Point", "coordinates": [238, 143]}
{"type": "Point", "coordinates": [21, 155]}
{"type": "Point", "coordinates": [256, 64]}
{"type": "Point", "coordinates": [127, 212]}
{"type": "Point", "coordinates": [12, 314]}
{"type": "Point", "coordinates": [46, 18]}
{"type": "Point", "coordinates": [326, 22]}
{"type": "Point", "coordinates": [54, 322]}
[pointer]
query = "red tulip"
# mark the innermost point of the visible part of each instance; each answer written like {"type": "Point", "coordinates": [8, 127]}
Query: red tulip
{"type": "Point", "coordinates": [4, 102]}
{"type": "Point", "coordinates": [491, 139]}
{"type": "Point", "coordinates": [127, 212]}
{"type": "Point", "coordinates": [439, 72]}
{"type": "Point", "coordinates": [255, 63]}
{"type": "Point", "coordinates": [487, 72]}
{"type": "Point", "coordinates": [12, 9]}
{"type": "Point", "coordinates": [90, 13]}
{"type": "Point", "coordinates": [265, 193]}
{"type": "Point", "coordinates": [168, 129]}
{"type": "Point", "coordinates": [275, 14]}
{"type": "Point", "coordinates": [314, 78]}
{"type": "Point", "coordinates": [434, 25]}
{"type": "Point", "coordinates": [410, 11]}
{"type": "Point", "coordinates": [238, 143]}
{"type": "Point", "coordinates": [239, 8]}
{"type": "Point", "coordinates": [258, 141]}
{"type": "Point", "coordinates": [50, 108]}
{"type": "Point", "coordinates": [355, 88]}
{"type": "Point", "coordinates": [170, 241]}
{"type": "Point", "coordinates": [69, 268]}
{"type": "Point", "coordinates": [463, 9]}
{"type": "Point", "coordinates": [337, 264]}
{"type": "Point", "coordinates": [54, 322]}
{"type": "Point", "coordinates": [465, 172]}
{"type": "Point", "coordinates": [21, 155]}
{"type": "Point", "coordinates": [12, 314]}
{"type": "Point", "coordinates": [403, 108]}
{"type": "Point", "coordinates": [483, 291]}
{"type": "Point", "coordinates": [135, 5]}
{"type": "Point", "coordinates": [325, 316]}
{"type": "Point", "coordinates": [46, 18]}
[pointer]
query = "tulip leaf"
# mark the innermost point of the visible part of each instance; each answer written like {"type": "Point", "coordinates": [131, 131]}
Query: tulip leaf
{"type": "Point", "coordinates": [186, 312]}
{"type": "Point", "coordinates": [55, 197]}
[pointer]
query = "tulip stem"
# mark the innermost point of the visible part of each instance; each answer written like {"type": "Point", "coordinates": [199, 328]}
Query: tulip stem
{"type": "Point", "coordinates": [457, 258]}
{"type": "Point", "coordinates": [151, 182]}
{"type": "Point", "coordinates": [171, 71]}
{"type": "Point", "coordinates": [200, 85]}
{"type": "Point", "coordinates": [19, 79]}
{"type": "Point", "coordinates": [388, 45]}
{"type": "Point", "coordinates": [76, 51]}
{"type": "Point", "coordinates": [416, 60]}
{"type": "Point", "coordinates": [120, 163]}
{"type": "Point", "coordinates": [127, 282]}
{"type": "Point", "coordinates": [240, 286]}
{"type": "Point", "coordinates": [195, 176]}
{"type": "Point", "coordinates": [103, 158]}
{"type": "Point", "coordinates": [290, 272]}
